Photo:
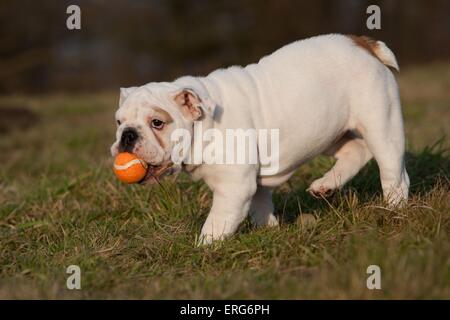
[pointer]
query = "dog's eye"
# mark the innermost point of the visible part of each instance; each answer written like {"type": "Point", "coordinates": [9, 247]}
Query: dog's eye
{"type": "Point", "coordinates": [119, 123]}
{"type": "Point", "coordinates": [157, 124]}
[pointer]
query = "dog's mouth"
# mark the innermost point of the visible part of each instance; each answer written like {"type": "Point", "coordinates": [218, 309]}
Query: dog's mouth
{"type": "Point", "coordinates": [155, 173]}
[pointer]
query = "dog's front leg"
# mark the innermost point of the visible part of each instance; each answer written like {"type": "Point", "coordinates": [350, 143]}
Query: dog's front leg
{"type": "Point", "coordinates": [231, 204]}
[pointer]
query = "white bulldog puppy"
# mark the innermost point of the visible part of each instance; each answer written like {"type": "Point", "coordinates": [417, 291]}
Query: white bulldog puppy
{"type": "Point", "coordinates": [331, 94]}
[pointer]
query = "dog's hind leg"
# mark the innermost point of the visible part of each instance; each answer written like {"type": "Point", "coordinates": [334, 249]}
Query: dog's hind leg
{"type": "Point", "coordinates": [352, 154]}
{"type": "Point", "coordinates": [382, 129]}
{"type": "Point", "coordinates": [261, 209]}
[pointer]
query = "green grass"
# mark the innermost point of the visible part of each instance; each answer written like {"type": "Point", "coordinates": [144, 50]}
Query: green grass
{"type": "Point", "coordinates": [60, 205]}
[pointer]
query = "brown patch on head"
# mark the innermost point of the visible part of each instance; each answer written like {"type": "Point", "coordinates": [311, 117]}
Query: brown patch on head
{"type": "Point", "coordinates": [189, 103]}
{"type": "Point", "coordinates": [163, 115]}
{"type": "Point", "coordinates": [368, 44]}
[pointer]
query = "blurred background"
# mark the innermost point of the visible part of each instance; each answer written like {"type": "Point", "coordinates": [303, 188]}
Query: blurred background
{"type": "Point", "coordinates": [133, 42]}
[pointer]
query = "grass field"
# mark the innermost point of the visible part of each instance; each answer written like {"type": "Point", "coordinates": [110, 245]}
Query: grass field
{"type": "Point", "coordinates": [60, 205]}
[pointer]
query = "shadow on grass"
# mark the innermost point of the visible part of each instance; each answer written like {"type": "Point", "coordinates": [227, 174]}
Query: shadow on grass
{"type": "Point", "coordinates": [427, 169]}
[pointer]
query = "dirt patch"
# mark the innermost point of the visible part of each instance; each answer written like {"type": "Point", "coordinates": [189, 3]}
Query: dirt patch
{"type": "Point", "coordinates": [16, 118]}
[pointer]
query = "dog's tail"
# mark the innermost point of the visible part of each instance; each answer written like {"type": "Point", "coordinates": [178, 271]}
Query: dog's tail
{"type": "Point", "coordinates": [386, 55]}
{"type": "Point", "coordinates": [378, 49]}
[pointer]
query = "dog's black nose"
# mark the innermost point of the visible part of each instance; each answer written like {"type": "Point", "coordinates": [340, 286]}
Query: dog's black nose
{"type": "Point", "coordinates": [128, 140]}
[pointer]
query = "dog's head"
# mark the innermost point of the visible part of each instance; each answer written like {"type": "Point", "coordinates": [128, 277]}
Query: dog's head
{"type": "Point", "coordinates": [147, 117]}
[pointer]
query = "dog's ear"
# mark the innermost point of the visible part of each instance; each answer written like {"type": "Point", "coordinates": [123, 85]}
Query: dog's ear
{"type": "Point", "coordinates": [124, 93]}
{"type": "Point", "coordinates": [191, 105]}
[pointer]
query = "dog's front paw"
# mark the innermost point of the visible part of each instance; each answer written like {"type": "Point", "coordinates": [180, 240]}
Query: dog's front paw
{"type": "Point", "coordinates": [204, 240]}
{"type": "Point", "coordinates": [210, 232]}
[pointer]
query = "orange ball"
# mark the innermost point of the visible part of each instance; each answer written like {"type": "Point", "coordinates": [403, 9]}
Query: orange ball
{"type": "Point", "coordinates": [129, 168]}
